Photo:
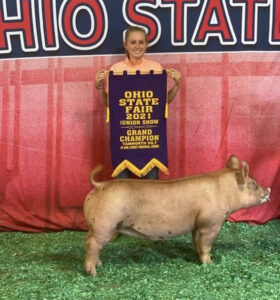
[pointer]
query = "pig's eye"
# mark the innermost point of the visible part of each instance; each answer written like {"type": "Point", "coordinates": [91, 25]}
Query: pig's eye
{"type": "Point", "coordinates": [253, 185]}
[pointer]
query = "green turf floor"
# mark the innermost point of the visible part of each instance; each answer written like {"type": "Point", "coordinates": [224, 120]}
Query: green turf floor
{"type": "Point", "coordinates": [246, 265]}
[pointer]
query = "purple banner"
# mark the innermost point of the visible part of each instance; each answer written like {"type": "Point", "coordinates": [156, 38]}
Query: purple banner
{"type": "Point", "coordinates": [137, 105]}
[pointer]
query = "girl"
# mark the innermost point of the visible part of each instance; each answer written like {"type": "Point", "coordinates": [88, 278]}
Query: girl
{"type": "Point", "coordinates": [135, 45]}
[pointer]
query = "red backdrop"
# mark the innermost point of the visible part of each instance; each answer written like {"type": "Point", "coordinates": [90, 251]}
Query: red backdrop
{"type": "Point", "coordinates": [53, 131]}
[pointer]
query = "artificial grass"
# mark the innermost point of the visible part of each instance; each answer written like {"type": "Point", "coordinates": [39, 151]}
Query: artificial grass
{"type": "Point", "coordinates": [246, 265]}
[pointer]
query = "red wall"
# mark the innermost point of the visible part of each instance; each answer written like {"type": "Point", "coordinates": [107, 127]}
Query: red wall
{"type": "Point", "coordinates": [53, 131]}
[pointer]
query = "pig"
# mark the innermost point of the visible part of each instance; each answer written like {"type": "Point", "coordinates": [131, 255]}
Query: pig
{"type": "Point", "coordinates": [161, 209]}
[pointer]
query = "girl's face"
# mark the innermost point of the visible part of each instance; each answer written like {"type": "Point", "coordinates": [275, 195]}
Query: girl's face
{"type": "Point", "coordinates": [136, 45]}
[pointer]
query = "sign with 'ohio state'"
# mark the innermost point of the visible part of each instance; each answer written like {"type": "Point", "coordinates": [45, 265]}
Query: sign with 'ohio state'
{"type": "Point", "coordinates": [32, 28]}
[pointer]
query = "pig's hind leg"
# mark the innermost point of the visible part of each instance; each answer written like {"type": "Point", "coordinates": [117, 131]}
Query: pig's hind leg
{"type": "Point", "coordinates": [93, 247]}
{"type": "Point", "coordinates": [94, 244]}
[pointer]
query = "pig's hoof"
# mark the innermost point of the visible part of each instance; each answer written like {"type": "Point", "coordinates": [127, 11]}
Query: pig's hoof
{"type": "Point", "coordinates": [90, 269]}
{"type": "Point", "coordinates": [206, 263]}
{"type": "Point", "coordinates": [206, 260]}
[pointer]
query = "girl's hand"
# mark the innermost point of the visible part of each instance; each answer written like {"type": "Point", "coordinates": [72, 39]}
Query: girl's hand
{"type": "Point", "coordinates": [100, 76]}
{"type": "Point", "coordinates": [175, 75]}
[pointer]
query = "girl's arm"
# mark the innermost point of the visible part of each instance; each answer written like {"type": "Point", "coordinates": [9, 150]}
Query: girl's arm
{"type": "Point", "coordinates": [176, 76]}
{"type": "Point", "coordinates": [100, 78]}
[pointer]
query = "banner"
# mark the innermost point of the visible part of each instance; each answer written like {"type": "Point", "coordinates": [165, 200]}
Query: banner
{"type": "Point", "coordinates": [30, 28]}
{"type": "Point", "coordinates": [137, 106]}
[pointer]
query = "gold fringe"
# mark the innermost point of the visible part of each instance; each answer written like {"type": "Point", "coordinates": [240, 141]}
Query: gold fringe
{"type": "Point", "coordinates": [166, 104]}
{"type": "Point", "coordinates": [140, 172]}
{"type": "Point", "coordinates": [108, 115]}
{"type": "Point", "coordinates": [166, 110]}
{"type": "Point", "coordinates": [108, 108]}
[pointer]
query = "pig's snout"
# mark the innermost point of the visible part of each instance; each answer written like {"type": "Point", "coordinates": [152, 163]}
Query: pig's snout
{"type": "Point", "coordinates": [265, 197]}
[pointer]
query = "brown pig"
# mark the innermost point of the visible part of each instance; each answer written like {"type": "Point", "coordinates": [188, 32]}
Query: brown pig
{"type": "Point", "coordinates": [160, 209]}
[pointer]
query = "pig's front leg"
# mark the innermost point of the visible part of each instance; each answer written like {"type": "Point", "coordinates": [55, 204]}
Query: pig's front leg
{"type": "Point", "coordinates": [205, 238]}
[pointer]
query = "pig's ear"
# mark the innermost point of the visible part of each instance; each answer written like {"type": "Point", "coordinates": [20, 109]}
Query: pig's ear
{"type": "Point", "coordinates": [245, 169]}
{"type": "Point", "coordinates": [243, 175]}
{"type": "Point", "coordinates": [233, 162]}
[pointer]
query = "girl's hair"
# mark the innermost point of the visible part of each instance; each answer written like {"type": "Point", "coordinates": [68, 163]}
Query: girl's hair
{"type": "Point", "coordinates": [133, 29]}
